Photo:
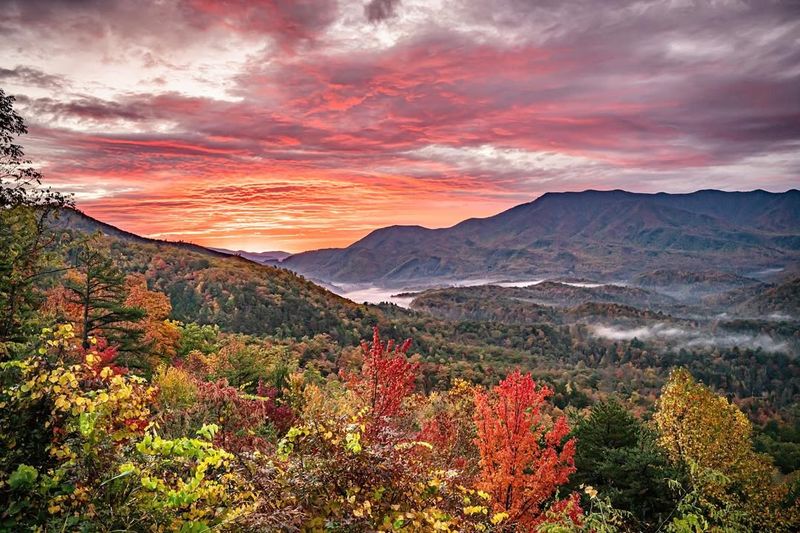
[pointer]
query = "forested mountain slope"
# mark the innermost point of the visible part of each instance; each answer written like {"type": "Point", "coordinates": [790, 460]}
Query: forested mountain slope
{"type": "Point", "coordinates": [211, 287]}
{"type": "Point", "coordinates": [598, 234]}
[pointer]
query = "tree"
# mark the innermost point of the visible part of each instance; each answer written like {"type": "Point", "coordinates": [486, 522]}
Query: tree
{"type": "Point", "coordinates": [446, 423]}
{"type": "Point", "coordinates": [17, 174]}
{"type": "Point", "coordinates": [27, 256]}
{"type": "Point", "coordinates": [159, 334]}
{"type": "Point", "coordinates": [618, 456]}
{"type": "Point", "coordinates": [385, 378]}
{"type": "Point", "coordinates": [523, 462]}
{"type": "Point", "coordinates": [712, 438]}
{"type": "Point", "coordinates": [27, 241]}
{"type": "Point", "coordinates": [99, 290]}
{"type": "Point", "coordinates": [192, 336]}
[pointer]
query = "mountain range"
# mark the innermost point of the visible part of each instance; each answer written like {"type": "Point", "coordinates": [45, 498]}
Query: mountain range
{"type": "Point", "coordinates": [238, 294]}
{"type": "Point", "coordinates": [601, 235]}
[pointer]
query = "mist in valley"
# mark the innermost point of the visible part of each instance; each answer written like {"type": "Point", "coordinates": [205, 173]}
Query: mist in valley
{"type": "Point", "coordinates": [689, 338]}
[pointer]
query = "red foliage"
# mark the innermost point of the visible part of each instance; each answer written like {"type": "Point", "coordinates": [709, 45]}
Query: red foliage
{"type": "Point", "coordinates": [521, 463]}
{"type": "Point", "coordinates": [136, 424]}
{"type": "Point", "coordinates": [445, 435]}
{"type": "Point", "coordinates": [440, 431]}
{"type": "Point", "coordinates": [386, 377]}
{"type": "Point", "coordinates": [240, 417]}
{"type": "Point", "coordinates": [106, 354]}
{"type": "Point", "coordinates": [566, 512]}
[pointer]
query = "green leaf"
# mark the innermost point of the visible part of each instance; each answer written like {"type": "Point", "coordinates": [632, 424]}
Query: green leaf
{"type": "Point", "coordinates": [23, 477]}
{"type": "Point", "coordinates": [86, 423]}
{"type": "Point", "coordinates": [194, 527]}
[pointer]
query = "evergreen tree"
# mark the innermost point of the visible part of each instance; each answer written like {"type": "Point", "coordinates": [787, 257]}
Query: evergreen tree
{"type": "Point", "coordinates": [99, 290]}
{"type": "Point", "coordinates": [618, 456]}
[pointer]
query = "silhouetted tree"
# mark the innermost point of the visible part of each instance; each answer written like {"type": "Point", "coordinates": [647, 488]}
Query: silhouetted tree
{"type": "Point", "coordinates": [27, 240]}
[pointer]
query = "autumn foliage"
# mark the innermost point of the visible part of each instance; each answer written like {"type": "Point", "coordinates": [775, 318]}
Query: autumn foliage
{"type": "Point", "coordinates": [260, 413]}
{"type": "Point", "coordinates": [523, 461]}
{"type": "Point", "coordinates": [159, 333]}
{"type": "Point", "coordinates": [156, 337]}
{"type": "Point", "coordinates": [86, 441]}
{"type": "Point", "coordinates": [713, 438]}
{"type": "Point", "coordinates": [386, 377]}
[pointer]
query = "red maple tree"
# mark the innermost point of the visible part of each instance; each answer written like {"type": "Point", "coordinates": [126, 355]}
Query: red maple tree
{"type": "Point", "coordinates": [386, 376]}
{"type": "Point", "coordinates": [522, 461]}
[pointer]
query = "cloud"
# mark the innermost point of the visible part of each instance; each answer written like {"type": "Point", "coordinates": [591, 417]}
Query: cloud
{"type": "Point", "coordinates": [492, 103]}
{"type": "Point", "coordinates": [287, 22]}
{"type": "Point", "coordinates": [379, 10]}
{"type": "Point", "coordinates": [27, 76]}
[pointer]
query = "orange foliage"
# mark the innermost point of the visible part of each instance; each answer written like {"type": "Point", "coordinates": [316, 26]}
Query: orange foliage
{"type": "Point", "coordinates": [522, 462]}
{"type": "Point", "coordinates": [158, 332]}
{"type": "Point", "coordinates": [64, 308]}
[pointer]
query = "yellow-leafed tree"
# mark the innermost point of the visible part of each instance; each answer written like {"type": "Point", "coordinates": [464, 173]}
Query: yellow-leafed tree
{"type": "Point", "coordinates": [712, 437]}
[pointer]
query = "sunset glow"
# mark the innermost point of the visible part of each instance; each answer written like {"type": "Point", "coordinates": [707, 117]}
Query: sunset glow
{"type": "Point", "coordinates": [306, 124]}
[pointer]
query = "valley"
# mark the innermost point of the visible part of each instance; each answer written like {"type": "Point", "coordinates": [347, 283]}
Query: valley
{"type": "Point", "coordinates": [244, 335]}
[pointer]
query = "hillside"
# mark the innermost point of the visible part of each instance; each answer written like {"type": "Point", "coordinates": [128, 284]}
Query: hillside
{"type": "Point", "coordinates": [212, 287]}
{"type": "Point", "coordinates": [587, 342]}
{"type": "Point", "coordinates": [265, 258]}
{"type": "Point", "coordinates": [670, 277]}
{"type": "Point", "coordinates": [695, 286]}
{"type": "Point", "coordinates": [608, 235]}
{"type": "Point", "coordinates": [471, 303]}
{"type": "Point", "coordinates": [781, 300]}
{"type": "Point", "coordinates": [543, 302]}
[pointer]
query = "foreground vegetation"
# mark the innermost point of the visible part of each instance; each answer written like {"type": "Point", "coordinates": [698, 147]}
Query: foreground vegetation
{"type": "Point", "coordinates": [232, 433]}
{"type": "Point", "coordinates": [153, 388]}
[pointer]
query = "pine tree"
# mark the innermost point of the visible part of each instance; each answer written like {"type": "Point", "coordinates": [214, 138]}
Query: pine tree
{"type": "Point", "coordinates": [618, 456]}
{"type": "Point", "coordinates": [100, 291]}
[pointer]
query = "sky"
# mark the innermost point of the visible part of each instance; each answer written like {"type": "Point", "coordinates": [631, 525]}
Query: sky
{"type": "Point", "coordinates": [303, 124]}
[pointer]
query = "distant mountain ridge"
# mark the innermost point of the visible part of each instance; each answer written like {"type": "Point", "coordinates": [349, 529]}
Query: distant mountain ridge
{"type": "Point", "coordinates": [77, 220]}
{"type": "Point", "coordinates": [597, 234]}
{"type": "Point", "coordinates": [265, 258]}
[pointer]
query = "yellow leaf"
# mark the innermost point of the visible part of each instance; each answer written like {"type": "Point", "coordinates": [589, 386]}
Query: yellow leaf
{"type": "Point", "coordinates": [499, 517]}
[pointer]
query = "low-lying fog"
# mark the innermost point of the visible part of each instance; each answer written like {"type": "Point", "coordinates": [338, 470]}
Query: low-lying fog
{"type": "Point", "coordinates": [373, 294]}
{"type": "Point", "coordinates": [690, 338]}
{"type": "Point", "coordinates": [670, 334]}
